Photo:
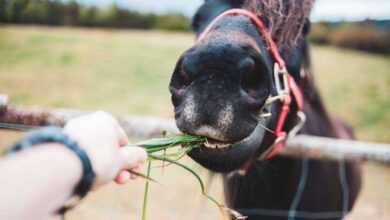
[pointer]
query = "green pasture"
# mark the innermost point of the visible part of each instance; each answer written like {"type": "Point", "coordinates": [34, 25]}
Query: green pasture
{"type": "Point", "coordinates": [127, 72]}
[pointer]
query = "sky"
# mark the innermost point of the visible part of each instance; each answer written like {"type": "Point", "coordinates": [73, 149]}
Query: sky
{"type": "Point", "coordinates": [330, 10]}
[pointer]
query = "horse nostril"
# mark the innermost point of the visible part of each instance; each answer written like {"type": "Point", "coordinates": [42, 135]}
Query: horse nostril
{"type": "Point", "coordinates": [189, 69]}
{"type": "Point", "coordinates": [177, 95]}
{"type": "Point", "coordinates": [186, 78]}
{"type": "Point", "coordinates": [246, 65]}
{"type": "Point", "coordinates": [180, 80]}
{"type": "Point", "coordinates": [254, 83]}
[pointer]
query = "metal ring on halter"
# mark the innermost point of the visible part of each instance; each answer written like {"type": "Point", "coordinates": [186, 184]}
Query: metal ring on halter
{"type": "Point", "coordinates": [302, 120]}
{"type": "Point", "coordinates": [266, 153]}
{"type": "Point", "coordinates": [273, 99]}
{"type": "Point", "coordinates": [293, 132]}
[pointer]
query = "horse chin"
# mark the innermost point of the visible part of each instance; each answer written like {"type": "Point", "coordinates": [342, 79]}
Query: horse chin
{"type": "Point", "coordinates": [227, 157]}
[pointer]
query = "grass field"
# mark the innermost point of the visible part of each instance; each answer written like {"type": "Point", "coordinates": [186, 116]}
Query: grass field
{"type": "Point", "coordinates": [127, 72]}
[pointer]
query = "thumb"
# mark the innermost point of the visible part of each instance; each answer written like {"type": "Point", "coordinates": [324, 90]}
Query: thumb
{"type": "Point", "coordinates": [132, 157]}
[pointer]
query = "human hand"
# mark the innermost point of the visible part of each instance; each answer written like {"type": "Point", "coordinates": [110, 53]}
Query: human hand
{"type": "Point", "coordinates": [104, 140]}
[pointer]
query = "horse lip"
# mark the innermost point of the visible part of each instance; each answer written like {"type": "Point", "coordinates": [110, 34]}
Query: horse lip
{"type": "Point", "coordinates": [228, 159]}
{"type": "Point", "coordinates": [254, 139]}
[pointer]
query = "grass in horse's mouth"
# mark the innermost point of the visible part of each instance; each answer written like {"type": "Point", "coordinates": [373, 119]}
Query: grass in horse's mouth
{"type": "Point", "coordinates": [168, 150]}
{"type": "Point", "coordinates": [157, 145]}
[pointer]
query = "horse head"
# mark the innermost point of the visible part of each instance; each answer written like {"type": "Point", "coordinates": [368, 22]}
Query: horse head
{"type": "Point", "coordinates": [221, 87]}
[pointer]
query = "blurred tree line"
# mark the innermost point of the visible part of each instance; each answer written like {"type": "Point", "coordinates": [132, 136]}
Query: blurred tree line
{"type": "Point", "coordinates": [366, 35]}
{"type": "Point", "coordinates": [370, 35]}
{"type": "Point", "coordinates": [72, 13]}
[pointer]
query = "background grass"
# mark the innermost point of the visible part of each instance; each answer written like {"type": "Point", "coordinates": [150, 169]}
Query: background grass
{"type": "Point", "coordinates": [127, 72]}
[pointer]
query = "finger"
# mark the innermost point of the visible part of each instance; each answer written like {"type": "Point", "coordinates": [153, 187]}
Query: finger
{"type": "Point", "coordinates": [123, 140]}
{"type": "Point", "coordinates": [123, 177]}
{"type": "Point", "coordinates": [104, 116]}
{"type": "Point", "coordinates": [122, 137]}
{"type": "Point", "coordinates": [132, 157]}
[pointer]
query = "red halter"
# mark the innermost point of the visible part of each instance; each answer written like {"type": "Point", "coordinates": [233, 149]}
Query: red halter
{"type": "Point", "coordinates": [285, 83]}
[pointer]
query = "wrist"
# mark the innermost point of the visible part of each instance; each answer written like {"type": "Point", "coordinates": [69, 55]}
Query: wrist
{"type": "Point", "coordinates": [83, 144]}
{"type": "Point", "coordinates": [56, 135]}
{"type": "Point", "coordinates": [70, 159]}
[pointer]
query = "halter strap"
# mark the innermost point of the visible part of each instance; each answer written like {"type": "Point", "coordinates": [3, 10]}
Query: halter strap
{"type": "Point", "coordinates": [262, 29]}
{"type": "Point", "coordinates": [286, 86]}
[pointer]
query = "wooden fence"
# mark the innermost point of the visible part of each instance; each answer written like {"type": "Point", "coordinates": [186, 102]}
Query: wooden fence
{"type": "Point", "coordinates": [21, 118]}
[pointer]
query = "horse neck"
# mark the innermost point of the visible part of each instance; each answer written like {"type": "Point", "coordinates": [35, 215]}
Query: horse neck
{"type": "Point", "coordinates": [318, 117]}
{"type": "Point", "coordinates": [267, 184]}
{"type": "Point", "coordinates": [299, 65]}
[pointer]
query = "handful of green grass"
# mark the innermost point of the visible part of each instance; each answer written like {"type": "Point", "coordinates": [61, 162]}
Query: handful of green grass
{"type": "Point", "coordinates": [170, 150]}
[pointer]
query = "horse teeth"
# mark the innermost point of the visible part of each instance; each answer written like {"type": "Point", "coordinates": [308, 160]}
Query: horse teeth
{"type": "Point", "coordinates": [216, 146]}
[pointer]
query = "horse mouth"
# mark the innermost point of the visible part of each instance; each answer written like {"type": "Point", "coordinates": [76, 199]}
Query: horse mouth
{"type": "Point", "coordinates": [226, 157]}
{"type": "Point", "coordinates": [213, 144]}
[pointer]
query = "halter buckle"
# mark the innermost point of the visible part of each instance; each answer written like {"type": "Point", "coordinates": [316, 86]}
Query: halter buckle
{"type": "Point", "coordinates": [281, 80]}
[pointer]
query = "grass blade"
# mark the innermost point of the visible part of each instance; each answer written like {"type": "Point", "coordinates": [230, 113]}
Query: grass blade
{"type": "Point", "coordinates": [188, 142]}
{"type": "Point", "coordinates": [145, 203]}
{"type": "Point", "coordinates": [143, 176]}
{"type": "Point", "coordinates": [221, 207]}
{"type": "Point", "coordinates": [200, 181]}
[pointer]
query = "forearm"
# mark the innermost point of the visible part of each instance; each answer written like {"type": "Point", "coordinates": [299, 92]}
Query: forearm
{"type": "Point", "coordinates": [36, 182]}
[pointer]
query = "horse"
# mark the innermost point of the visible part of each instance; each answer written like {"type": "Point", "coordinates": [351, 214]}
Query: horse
{"type": "Point", "coordinates": [231, 87]}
